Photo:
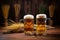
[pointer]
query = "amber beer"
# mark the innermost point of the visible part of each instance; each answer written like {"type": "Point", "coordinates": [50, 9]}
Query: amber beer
{"type": "Point", "coordinates": [41, 23]}
{"type": "Point", "coordinates": [28, 24]}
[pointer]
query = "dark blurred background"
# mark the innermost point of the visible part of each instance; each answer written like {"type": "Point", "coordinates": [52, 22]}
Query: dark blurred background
{"type": "Point", "coordinates": [32, 7]}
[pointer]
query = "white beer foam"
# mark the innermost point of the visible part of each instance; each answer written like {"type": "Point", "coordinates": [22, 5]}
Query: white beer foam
{"type": "Point", "coordinates": [29, 16]}
{"type": "Point", "coordinates": [38, 15]}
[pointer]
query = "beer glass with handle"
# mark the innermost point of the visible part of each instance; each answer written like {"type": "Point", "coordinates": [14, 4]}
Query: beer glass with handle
{"type": "Point", "coordinates": [41, 23]}
{"type": "Point", "coordinates": [28, 24]}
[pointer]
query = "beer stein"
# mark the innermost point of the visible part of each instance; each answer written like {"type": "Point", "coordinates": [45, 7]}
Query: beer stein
{"type": "Point", "coordinates": [41, 23]}
{"type": "Point", "coordinates": [28, 24]}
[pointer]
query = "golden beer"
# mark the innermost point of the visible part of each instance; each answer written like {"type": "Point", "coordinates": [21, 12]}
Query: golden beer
{"type": "Point", "coordinates": [28, 24]}
{"type": "Point", "coordinates": [41, 23]}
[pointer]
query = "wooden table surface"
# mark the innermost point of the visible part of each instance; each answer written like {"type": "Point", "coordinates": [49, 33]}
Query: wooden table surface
{"type": "Point", "coordinates": [52, 34]}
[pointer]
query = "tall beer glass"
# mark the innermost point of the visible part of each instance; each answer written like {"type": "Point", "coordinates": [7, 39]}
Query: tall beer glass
{"type": "Point", "coordinates": [17, 10]}
{"type": "Point", "coordinates": [5, 10]}
{"type": "Point", "coordinates": [41, 23]}
{"type": "Point", "coordinates": [51, 13]}
{"type": "Point", "coordinates": [28, 24]}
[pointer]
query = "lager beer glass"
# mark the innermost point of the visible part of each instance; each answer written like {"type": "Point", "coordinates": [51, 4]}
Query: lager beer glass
{"type": "Point", "coordinates": [28, 24]}
{"type": "Point", "coordinates": [41, 23]}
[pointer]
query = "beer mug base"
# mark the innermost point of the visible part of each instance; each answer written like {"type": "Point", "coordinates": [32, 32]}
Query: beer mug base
{"type": "Point", "coordinates": [28, 33]}
{"type": "Point", "coordinates": [44, 32]}
{"type": "Point", "coordinates": [39, 34]}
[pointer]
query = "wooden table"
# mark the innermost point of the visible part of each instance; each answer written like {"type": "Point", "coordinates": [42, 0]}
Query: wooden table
{"type": "Point", "coordinates": [52, 34]}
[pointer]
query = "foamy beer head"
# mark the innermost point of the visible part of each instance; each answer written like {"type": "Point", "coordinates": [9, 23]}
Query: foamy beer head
{"type": "Point", "coordinates": [41, 18]}
{"type": "Point", "coordinates": [41, 15]}
{"type": "Point", "coordinates": [28, 17]}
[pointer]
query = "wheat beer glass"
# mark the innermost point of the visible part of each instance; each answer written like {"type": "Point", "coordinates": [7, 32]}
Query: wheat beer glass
{"type": "Point", "coordinates": [28, 24]}
{"type": "Point", "coordinates": [17, 10]}
{"type": "Point", "coordinates": [41, 23]}
{"type": "Point", "coordinates": [5, 10]}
